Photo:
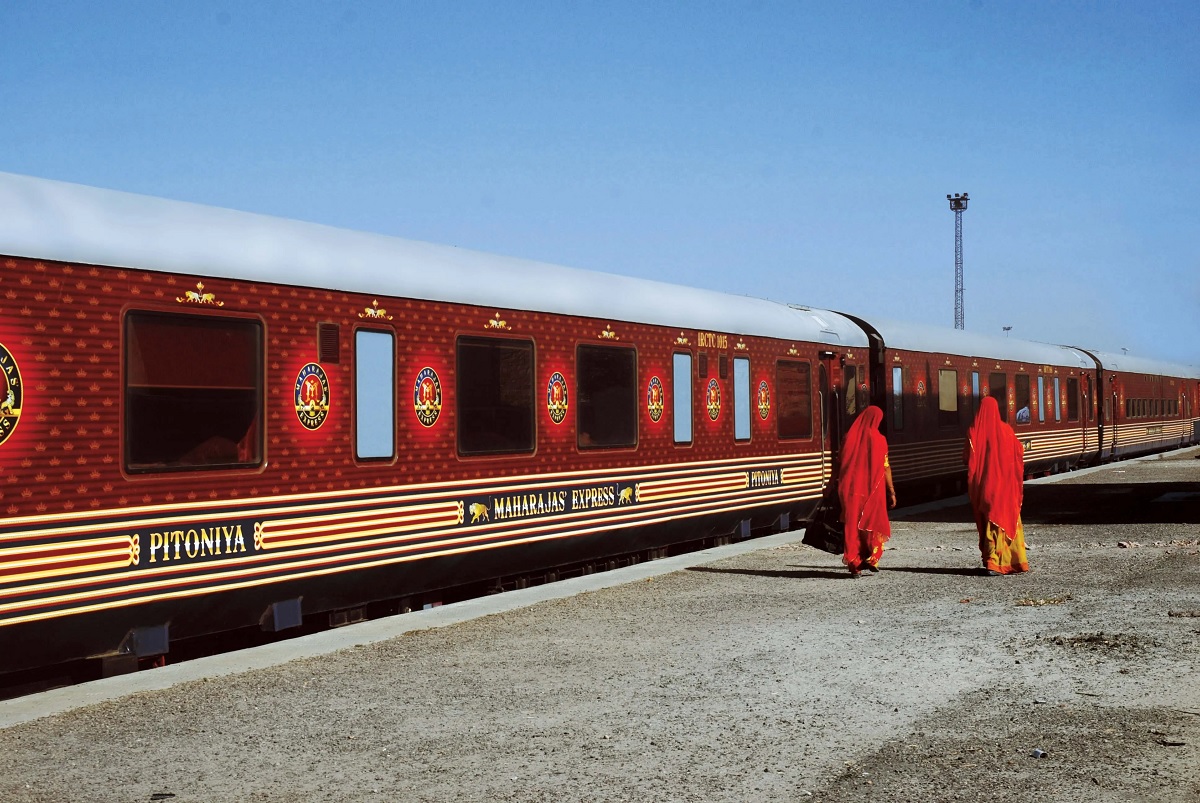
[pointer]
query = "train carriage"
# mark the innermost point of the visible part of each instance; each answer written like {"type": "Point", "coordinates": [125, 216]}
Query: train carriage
{"type": "Point", "coordinates": [1149, 405]}
{"type": "Point", "coordinates": [218, 420]}
{"type": "Point", "coordinates": [930, 380]}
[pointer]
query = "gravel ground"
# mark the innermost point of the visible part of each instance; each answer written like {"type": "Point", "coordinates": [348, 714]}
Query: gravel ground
{"type": "Point", "coordinates": [765, 676]}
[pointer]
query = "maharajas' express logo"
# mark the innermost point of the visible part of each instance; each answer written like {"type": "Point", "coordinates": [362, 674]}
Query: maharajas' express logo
{"type": "Point", "coordinates": [427, 397]}
{"type": "Point", "coordinates": [11, 394]}
{"type": "Point", "coordinates": [655, 398]}
{"type": "Point", "coordinates": [556, 397]}
{"type": "Point", "coordinates": [764, 400]}
{"type": "Point", "coordinates": [312, 396]}
{"type": "Point", "coordinates": [712, 399]}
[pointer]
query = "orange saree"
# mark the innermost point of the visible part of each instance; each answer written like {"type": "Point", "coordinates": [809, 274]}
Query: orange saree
{"type": "Point", "coordinates": [995, 484]}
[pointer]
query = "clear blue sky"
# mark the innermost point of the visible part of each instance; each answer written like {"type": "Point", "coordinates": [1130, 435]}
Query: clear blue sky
{"type": "Point", "coordinates": [790, 150]}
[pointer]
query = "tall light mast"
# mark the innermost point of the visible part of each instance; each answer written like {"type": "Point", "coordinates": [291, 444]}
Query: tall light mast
{"type": "Point", "coordinates": [958, 205]}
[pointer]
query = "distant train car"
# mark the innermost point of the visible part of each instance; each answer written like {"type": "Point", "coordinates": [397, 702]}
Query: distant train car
{"type": "Point", "coordinates": [1149, 405]}
{"type": "Point", "coordinates": [929, 382]}
{"type": "Point", "coordinates": [217, 420]}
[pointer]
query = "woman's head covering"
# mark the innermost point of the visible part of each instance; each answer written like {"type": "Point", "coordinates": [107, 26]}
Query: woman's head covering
{"type": "Point", "coordinates": [860, 484]}
{"type": "Point", "coordinates": [859, 436]}
{"type": "Point", "coordinates": [996, 468]}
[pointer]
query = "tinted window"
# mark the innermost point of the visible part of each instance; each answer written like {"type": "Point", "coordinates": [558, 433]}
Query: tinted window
{"type": "Point", "coordinates": [193, 392]}
{"type": "Point", "coordinates": [1023, 405]}
{"type": "Point", "coordinates": [794, 383]}
{"type": "Point", "coordinates": [850, 389]}
{"type": "Point", "coordinates": [607, 411]}
{"type": "Point", "coordinates": [1072, 399]}
{"type": "Point", "coordinates": [495, 396]}
{"type": "Point", "coordinates": [998, 390]}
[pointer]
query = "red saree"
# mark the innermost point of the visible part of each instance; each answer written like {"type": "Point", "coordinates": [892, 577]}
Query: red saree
{"type": "Point", "coordinates": [863, 491]}
{"type": "Point", "coordinates": [995, 484]}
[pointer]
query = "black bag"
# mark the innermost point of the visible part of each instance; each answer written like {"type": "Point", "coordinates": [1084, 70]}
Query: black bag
{"type": "Point", "coordinates": [823, 530]}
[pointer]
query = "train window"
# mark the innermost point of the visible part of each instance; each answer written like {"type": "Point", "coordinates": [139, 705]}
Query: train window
{"type": "Point", "coordinates": [741, 399]}
{"type": "Point", "coordinates": [193, 392]}
{"type": "Point", "coordinates": [1057, 399]}
{"type": "Point", "coordinates": [607, 413]}
{"type": "Point", "coordinates": [495, 395]}
{"type": "Point", "coordinates": [723, 366]}
{"type": "Point", "coordinates": [374, 395]}
{"type": "Point", "coordinates": [1041, 399]}
{"type": "Point", "coordinates": [794, 382]}
{"type": "Point", "coordinates": [850, 389]}
{"type": "Point", "coordinates": [1072, 399]}
{"type": "Point", "coordinates": [1023, 401]}
{"type": "Point", "coordinates": [681, 393]}
{"type": "Point", "coordinates": [897, 398]}
{"type": "Point", "coordinates": [974, 393]}
{"type": "Point", "coordinates": [947, 398]}
{"type": "Point", "coordinates": [702, 366]}
{"type": "Point", "coordinates": [998, 390]}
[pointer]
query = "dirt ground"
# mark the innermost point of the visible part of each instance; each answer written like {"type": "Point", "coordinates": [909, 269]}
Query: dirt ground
{"type": "Point", "coordinates": [765, 676]}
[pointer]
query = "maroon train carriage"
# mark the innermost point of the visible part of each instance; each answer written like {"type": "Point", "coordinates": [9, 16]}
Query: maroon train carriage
{"type": "Point", "coordinates": [1149, 405]}
{"type": "Point", "coordinates": [217, 420]}
{"type": "Point", "coordinates": [930, 380]}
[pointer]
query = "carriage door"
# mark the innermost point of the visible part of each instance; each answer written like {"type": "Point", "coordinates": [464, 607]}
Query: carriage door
{"type": "Point", "coordinates": [823, 394]}
{"type": "Point", "coordinates": [831, 419]}
{"type": "Point", "coordinates": [1112, 419]}
{"type": "Point", "coordinates": [1086, 411]}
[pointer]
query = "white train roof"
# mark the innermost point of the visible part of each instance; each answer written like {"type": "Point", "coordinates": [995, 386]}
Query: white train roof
{"type": "Point", "coordinates": [54, 220]}
{"type": "Point", "coordinates": [922, 337]}
{"type": "Point", "coordinates": [1143, 365]}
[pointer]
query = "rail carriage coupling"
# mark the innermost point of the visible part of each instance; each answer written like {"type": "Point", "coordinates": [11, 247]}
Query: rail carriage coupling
{"type": "Point", "coordinates": [216, 422]}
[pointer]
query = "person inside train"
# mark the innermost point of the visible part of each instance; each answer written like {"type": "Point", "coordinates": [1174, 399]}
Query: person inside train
{"type": "Point", "coordinates": [995, 484]}
{"type": "Point", "coordinates": [866, 492]}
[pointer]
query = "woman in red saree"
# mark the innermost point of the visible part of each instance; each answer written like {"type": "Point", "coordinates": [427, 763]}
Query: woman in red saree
{"type": "Point", "coordinates": [865, 479]}
{"type": "Point", "coordinates": [995, 483]}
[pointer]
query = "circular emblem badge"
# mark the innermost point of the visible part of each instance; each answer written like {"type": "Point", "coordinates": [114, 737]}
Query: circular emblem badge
{"type": "Point", "coordinates": [712, 399]}
{"type": "Point", "coordinates": [920, 387]}
{"type": "Point", "coordinates": [427, 397]}
{"type": "Point", "coordinates": [556, 397]}
{"type": "Point", "coordinates": [11, 393]}
{"type": "Point", "coordinates": [655, 398]}
{"type": "Point", "coordinates": [764, 400]}
{"type": "Point", "coordinates": [312, 396]}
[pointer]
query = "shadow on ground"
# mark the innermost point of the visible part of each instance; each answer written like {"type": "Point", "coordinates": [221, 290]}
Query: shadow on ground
{"type": "Point", "coordinates": [1088, 503]}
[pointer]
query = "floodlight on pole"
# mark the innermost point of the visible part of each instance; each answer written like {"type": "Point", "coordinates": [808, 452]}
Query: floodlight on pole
{"type": "Point", "coordinates": [958, 205]}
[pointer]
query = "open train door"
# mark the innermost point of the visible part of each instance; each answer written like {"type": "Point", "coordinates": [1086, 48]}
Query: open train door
{"type": "Point", "coordinates": [831, 419]}
{"type": "Point", "coordinates": [1112, 418]}
{"type": "Point", "coordinates": [1085, 413]}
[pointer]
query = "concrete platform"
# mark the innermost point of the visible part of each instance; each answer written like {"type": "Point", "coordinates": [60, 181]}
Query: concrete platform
{"type": "Point", "coordinates": [757, 671]}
